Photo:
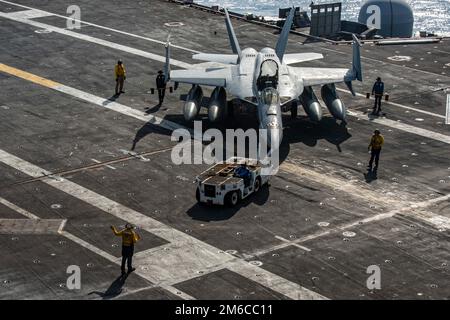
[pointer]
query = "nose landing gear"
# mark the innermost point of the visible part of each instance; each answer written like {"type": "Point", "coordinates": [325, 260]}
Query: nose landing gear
{"type": "Point", "coordinates": [294, 110]}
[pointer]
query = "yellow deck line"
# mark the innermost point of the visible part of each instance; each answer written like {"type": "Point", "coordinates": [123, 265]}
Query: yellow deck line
{"type": "Point", "coordinates": [28, 76]}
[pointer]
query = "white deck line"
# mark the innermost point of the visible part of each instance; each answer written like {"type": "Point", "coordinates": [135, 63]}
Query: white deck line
{"type": "Point", "coordinates": [98, 41]}
{"type": "Point", "coordinates": [47, 13]}
{"type": "Point", "coordinates": [19, 210]}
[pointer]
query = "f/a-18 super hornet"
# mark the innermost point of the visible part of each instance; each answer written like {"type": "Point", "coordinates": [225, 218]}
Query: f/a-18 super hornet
{"type": "Point", "coordinates": [266, 80]}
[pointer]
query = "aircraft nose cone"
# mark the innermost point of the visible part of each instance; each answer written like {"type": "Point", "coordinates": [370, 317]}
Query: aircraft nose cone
{"type": "Point", "coordinates": [190, 110]}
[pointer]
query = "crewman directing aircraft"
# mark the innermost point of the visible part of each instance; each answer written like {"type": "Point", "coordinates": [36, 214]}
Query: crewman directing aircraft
{"type": "Point", "coordinates": [120, 74]}
{"type": "Point", "coordinates": [129, 238]}
{"type": "Point", "coordinates": [375, 145]}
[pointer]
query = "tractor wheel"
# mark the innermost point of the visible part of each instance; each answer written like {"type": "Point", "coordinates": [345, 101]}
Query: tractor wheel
{"type": "Point", "coordinates": [232, 198]}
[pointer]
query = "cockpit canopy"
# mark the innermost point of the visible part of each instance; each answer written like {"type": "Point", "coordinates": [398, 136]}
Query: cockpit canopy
{"type": "Point", "coordinates": [269, 68]}
{"type": "Point", "coordinates": [268, 75]}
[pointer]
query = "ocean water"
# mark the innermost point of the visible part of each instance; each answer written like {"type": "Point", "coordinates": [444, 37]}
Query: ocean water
{"type": "Point", "coordinates": [429, 15]}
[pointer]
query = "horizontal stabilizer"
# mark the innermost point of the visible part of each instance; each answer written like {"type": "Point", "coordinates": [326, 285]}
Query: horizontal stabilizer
{"type": "Point", "coordinates": [220, 58]}
{"type": "Point", "coordinates": [199, 77]}
{"type": "Point", "coordinates": [292, 58]}
{"type": "Point", "coordinates": [321, 76]}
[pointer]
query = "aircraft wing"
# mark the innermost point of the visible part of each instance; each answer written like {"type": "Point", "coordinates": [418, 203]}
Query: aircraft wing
{"type": "Point", "coordinates": [321, 76]}
{"type": "Point", "coordinates": [291, 58]}
{"type": "Point", "coordinates": [215, 77]}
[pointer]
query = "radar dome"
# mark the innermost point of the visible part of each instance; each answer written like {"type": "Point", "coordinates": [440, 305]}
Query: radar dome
{"type": "Point", "coordinates": [393, 18]}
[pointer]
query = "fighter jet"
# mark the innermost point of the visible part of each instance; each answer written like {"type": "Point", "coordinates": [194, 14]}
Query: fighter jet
{"type": "Point", "coordinates": [265, 80]}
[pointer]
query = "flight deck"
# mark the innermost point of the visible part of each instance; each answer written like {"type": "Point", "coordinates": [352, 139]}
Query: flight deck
{"type": "Point", "coordinates": [75, 159]}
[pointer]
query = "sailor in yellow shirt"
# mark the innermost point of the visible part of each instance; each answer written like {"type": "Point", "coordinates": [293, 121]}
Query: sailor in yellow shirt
{"type": "Point", "coordinates": [119, 72]}
{"type": "Point", "coordinates": [129, 238]}
{"type": "Point", "coordinates": [375, 145]}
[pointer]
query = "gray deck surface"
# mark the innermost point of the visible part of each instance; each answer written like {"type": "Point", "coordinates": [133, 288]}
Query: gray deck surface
{"type": "Point", "coordinates": [310, 235]}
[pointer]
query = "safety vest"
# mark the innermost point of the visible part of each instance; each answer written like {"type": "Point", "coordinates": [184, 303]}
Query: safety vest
{"type": "Point", "coordinates": [119, 70]}
{"type": "Point", "coordinates": [376, 142]}
{"type": "Point", "coordinates": [129, 237]}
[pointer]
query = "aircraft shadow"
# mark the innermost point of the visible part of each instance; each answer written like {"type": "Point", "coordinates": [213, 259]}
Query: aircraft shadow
{"type": "Point", "coordinates": [299, 130]}
{"type": "Point", "coordinates": [295, 131]}
{"type": "Point", "coordinates": [147, 129]}
{"type": "Point", "coordinates": [309, 133]}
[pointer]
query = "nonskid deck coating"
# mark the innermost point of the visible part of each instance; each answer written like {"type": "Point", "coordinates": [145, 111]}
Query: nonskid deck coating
{"type": "Point", "coordinates": [311, 234]}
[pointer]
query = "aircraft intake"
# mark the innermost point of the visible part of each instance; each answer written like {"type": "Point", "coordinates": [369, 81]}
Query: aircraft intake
{"type": "Point", "coordinates": [217, 104]}
{"type": "Point", "coordinates": [333, 102]}
{"type": "Point", "coordinates": [311, 105]}
{"type": "Point", "coordinates": [193, 103]}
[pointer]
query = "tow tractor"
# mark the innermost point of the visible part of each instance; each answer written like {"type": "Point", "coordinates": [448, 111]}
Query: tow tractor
{"type": "Point", "coordinates": [229, 182]}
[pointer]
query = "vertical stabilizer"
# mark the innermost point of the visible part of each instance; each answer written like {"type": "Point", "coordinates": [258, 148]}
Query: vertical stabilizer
{"type": "Point", "coordinates": [357, 71]}
{"type": "Point", "coordinates": [231, 35]}
{"type": "Point", "coordinates": [167, 64]}
{"type": "Point", "coordinates": [283, 39]}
